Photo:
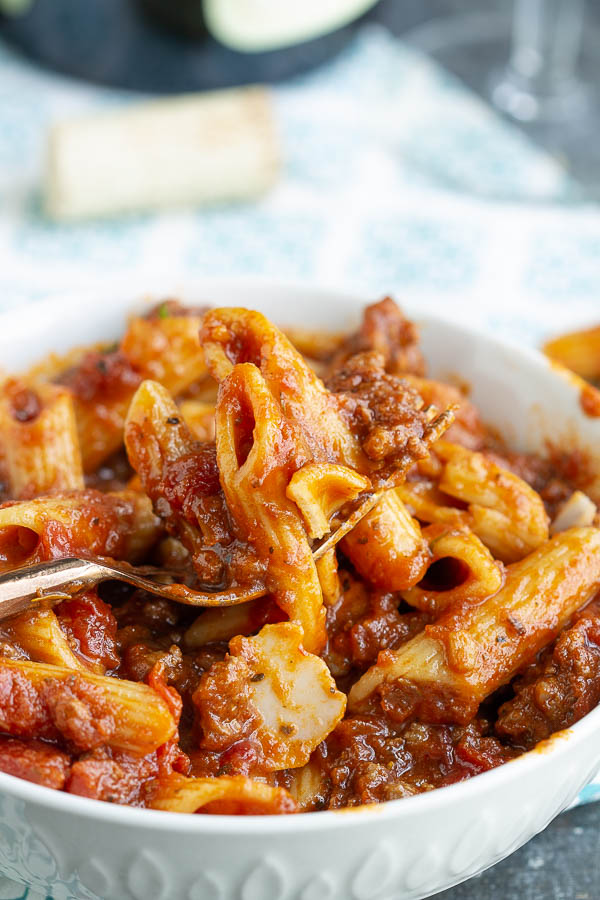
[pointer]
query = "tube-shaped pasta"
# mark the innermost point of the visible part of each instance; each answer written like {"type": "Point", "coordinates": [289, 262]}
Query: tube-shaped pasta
{"type": "Point", "coordinates": [230, 336]}
{"type": "Point", "coordinates": [443, 674]}
{"type": "Point", "coordinates": [427, 504]}
{"type": "Point", "coordinates": [120, 525]}
{"type": "Point", "coordinates": [166, 349]}
{"type": "Point", "coordinates": [319, 490]}
{"type": "Point", "coordinates": [387, 547]}
{"type": "Point", "coordinates": [462, 570]}
{"type": "Point", "coordinates": [257, 452]}
{"type": "Point", "coordinates": [327, 570]}
{"type": "Point", "coordinates": [177, 473]}
{"type": "Point", "coordinates": [227, 794]}
{"type": "Point", "coordinates": [39, 634]}
{"type": "Point", "coordinates": [87, 710]}
{"type": "Point", "coordinates": [200, 419]}
{"type": "Point", "coordinates": [578, 351]}
{"type": "Point", "coordinates": [506, 513]}
{"type": "Point", "coordinates": [39, 436]}
{"type": "Point", "coordinates": [224, 624]}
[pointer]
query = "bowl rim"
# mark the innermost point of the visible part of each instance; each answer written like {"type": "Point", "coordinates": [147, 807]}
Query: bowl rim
{"type": "Point", "coordinates": [550, 750]}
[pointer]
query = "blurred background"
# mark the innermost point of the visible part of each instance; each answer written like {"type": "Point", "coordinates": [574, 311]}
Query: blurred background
{"type": "Point", "coordinates": [447, 151]}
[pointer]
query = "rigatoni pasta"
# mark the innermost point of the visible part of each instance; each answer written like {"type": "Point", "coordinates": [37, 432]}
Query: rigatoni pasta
{"type": "Point", "coordinates": [417, 601]}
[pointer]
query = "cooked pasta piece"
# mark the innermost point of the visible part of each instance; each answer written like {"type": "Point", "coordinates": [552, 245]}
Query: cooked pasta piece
{"type": "Point", "coordinates": [226, 795]}
{"type": "Point", "coordinates": [39, 634]}
{"type": "Point", "coordinates": [506, 513]}
{"type": "Point", "coordinates": [223, 624]}
{"type": "Point", "coordinates": [86, 710]}
{"type": "Point", "coordinates": [426, 503]}
{"type": "Point", "coordinates": [271, 688]}
{"type": "Point", "coordinates": [316, 345]}
{"type": "Point", "coordinates": [308, 786]}
{"type": "Point", "coordinates": [578, 351]}
{"type": "Point", "coordinates": [200, 419]}
{"type": "Point", "coordinates": [387, 547]}
{"type": "Point", "coordinates": [231, 336]}
{"type": "Point", "coordinates": [166, 348]}
{"type": "Point", "coordinates": [237, 335]}
{"type": "Point", "coordinates": [120, 525]}
{"type": "Point", "coordinates": [443, 674]}
{"type": "Point", "coordinates": [561, 690]}
{"type": "Point", "coordinates": [257, 452]}
{"type": "Point", "coordinates": [179, 474]}
{"type": "Point", "coordinates": [161, 347]}
{"type": "Point", "coordinates": [327, 570]}
{"type": "Point", "coordinates": [39, 437]}
{"type": "Point", "coordinates": [102, 385]}
{"type": "Point", "coordinates": [319, 490]}
{"type": "Point", "coordinates": [462, 570]}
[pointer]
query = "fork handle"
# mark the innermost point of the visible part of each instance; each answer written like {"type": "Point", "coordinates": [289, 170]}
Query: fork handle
{"type": "Point", "coordinates": [46, 584]}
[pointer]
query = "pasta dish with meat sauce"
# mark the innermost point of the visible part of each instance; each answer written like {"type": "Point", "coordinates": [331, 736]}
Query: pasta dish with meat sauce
{"type": "Point", "coordinates": [452, 628]}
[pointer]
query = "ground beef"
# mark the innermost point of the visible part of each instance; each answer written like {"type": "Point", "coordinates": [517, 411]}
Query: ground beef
{"type": "Point", "coordinates": [385, 331]}
{"type": "Point", "coordinates": [566, 689]}
{"type": "Point", "coordinates": [383, 410]}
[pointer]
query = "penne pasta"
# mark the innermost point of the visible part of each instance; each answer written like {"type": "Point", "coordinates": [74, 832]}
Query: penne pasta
{"type": "Point", "coordinates": [462, 570]}
{"type": "Point", "coordinates": [578, 351]}
{"type": "Point", "coordinates": [39, 436]}
{"type": "Point", "coordinates": [173, 468]}
{"type": "Point", "coordinates": [230, 336]}
{"type": "Point", "coordinates": [164, 348]}
{"type": "Point", "coordinates": [120, 525]}
{"type": "Point", "coordinates": [200, 419]}
{"type": "Point", "coordinates": [387, 547]}
{"type": "Point", "coordinates": [427, 504]}
{"type": "Point", "coordinates": [257, 453]}
{"type": "Point", "coordinates": [226, 795]}
{"type": "Point", "coordinates": [443, 674]}
{"type": "Point", "coordinates": [319, 490]}
{"type": "Point", "coordinates": [236, 334]}
{"type": "Point", "coordinates": [39, 634]}
{"type": "Point", "coordinates": [506, 513]}
{"type": "Point", "coordinates": [81, 708]}
{"type": "Point", "coordinates": [223, 624]}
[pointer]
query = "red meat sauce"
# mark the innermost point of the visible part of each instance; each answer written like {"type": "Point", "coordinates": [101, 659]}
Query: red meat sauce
{"type": "Point", "coordinates": [58, 734]}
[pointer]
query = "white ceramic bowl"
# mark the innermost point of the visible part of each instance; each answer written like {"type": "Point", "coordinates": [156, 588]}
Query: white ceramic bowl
{"type": "Point", "coordinates": [69, 846]}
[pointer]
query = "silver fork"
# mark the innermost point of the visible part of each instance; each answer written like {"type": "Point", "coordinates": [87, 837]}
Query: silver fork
{"type": "Point", "coordinates": [48, 583]}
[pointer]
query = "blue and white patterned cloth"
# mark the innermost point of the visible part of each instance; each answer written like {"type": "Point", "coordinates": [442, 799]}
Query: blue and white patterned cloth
{"type": "Point", "coordinates": [397, 180]}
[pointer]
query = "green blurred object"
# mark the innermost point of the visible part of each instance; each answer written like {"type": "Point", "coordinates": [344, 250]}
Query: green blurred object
{"type": "Point", "coordinates": [14, 7]}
